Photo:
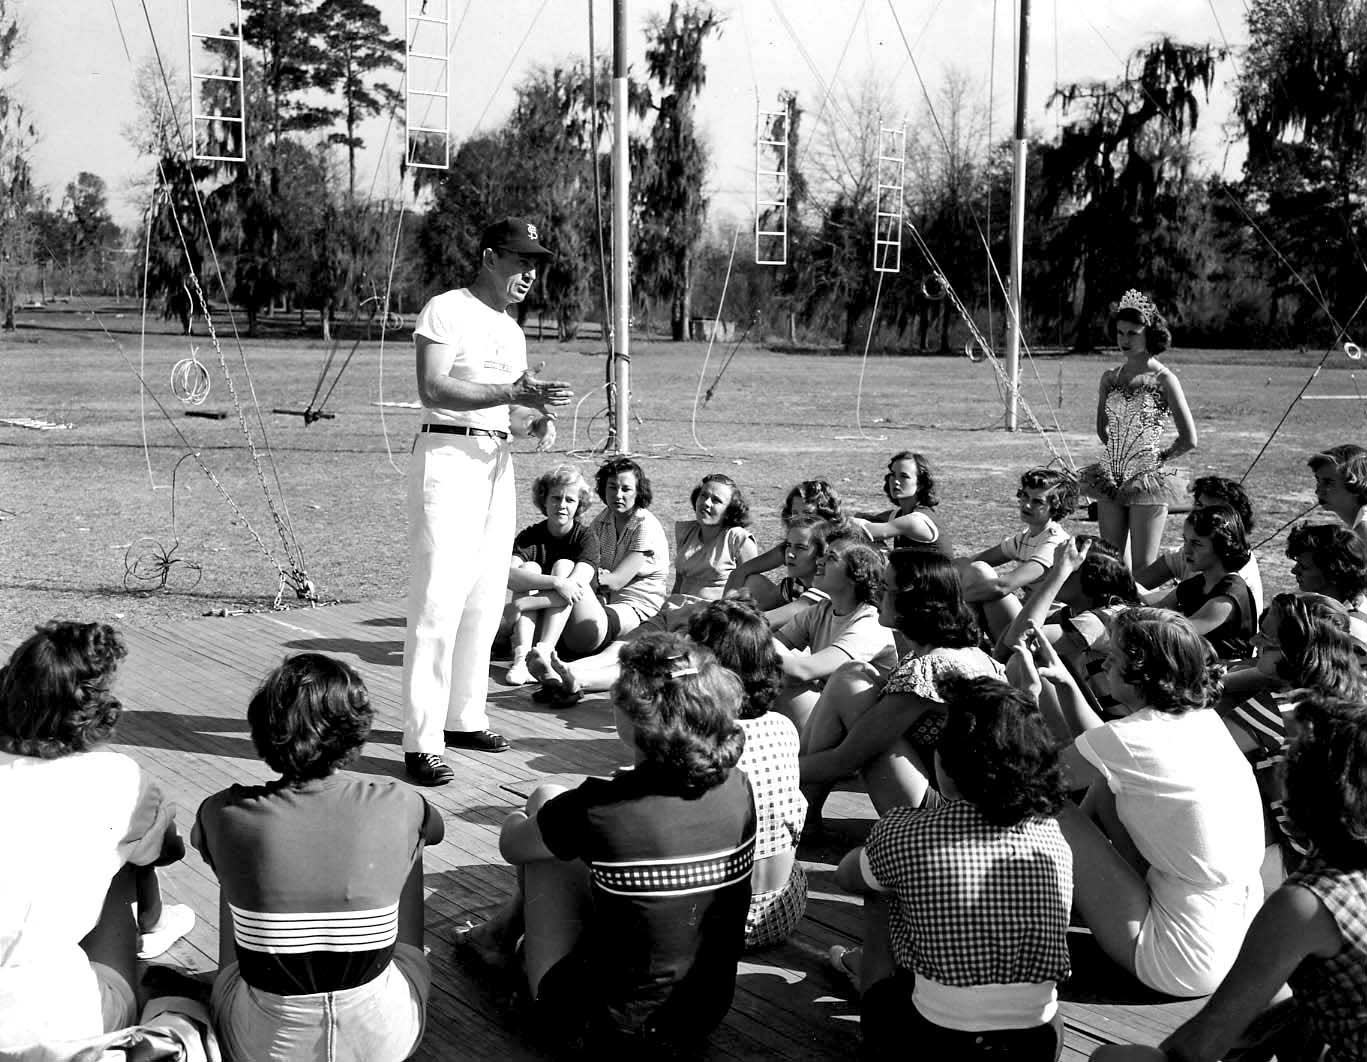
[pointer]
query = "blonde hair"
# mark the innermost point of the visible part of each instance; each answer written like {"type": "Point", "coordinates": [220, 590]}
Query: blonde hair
{"type": "Point", "coordinates": [561, 476]}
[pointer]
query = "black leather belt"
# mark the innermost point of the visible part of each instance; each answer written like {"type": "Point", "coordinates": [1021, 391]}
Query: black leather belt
{"type": "Point", "coordinates": [461, 429]}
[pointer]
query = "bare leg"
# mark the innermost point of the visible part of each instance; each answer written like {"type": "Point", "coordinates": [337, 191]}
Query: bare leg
{"type": "Point", "coordinates": [875, 956]}
{"type": "Point", "coordinates": [850, 692]}
{"type": "Point", "coordinates": [114, 940]}
{"type": "Point", "coordinates": [1113, 524]}
{"type": "Point", "coordinates": [797, 701]}
{"type": "Point", "coordinates": [1099, 806]}
{"type": "Point", "coordinates": [411, 910]}
{"type": "Point", "coordinates": [148, 892]}
{"type": "Point", "coordinates": [1107, 891]}
{"type": "Point", "coordinates": [1146, 534]}
{"type": "Point", "coordinates": [763, 591]}
{"type": "Point", "coordinates": [551, 623]}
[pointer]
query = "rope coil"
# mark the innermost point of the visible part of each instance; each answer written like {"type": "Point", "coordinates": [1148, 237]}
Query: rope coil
{"type": "Point", "coordinates": [190, 380]}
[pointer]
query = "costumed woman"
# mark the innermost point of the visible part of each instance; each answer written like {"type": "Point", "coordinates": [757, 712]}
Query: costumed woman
{"type": "Point", "coordinates": [1132, 483]}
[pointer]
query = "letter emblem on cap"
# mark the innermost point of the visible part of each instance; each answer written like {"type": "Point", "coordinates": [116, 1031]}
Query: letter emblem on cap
{"type": "Point", "coordinates": [531, 233]}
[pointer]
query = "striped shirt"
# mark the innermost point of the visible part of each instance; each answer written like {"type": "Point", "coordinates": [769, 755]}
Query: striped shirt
{"type": "Point", "coordinates": [312, 875]}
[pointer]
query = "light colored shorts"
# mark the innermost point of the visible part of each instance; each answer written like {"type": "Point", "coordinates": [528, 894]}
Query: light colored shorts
{"type": "Point", "coordinates": [773, 915]}
{"type": "Point", "coordinates": [1187, 954]}
{"type": "Point", "coordinates": [379, 1021]}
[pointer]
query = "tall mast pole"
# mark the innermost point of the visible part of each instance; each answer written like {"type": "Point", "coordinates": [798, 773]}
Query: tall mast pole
{"type": "Point", "coordinates": [1013, 344]}
{"type": "Point", "coordinates": [621, 242]}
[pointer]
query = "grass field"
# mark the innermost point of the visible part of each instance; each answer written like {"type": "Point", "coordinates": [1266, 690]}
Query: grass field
{"type": "Point", "coordinates": [73, 501]}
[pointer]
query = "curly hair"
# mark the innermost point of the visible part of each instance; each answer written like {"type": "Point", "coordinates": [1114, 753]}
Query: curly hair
{"type": "Point", "coordinates": [1222, 526]}
{"type": "Point", "coordinates": [1104, 577]}
{"type": "Point", "coordinates": [737, 512]}
{"type": "Point", "coordinates": [1326, 779]}
{"type": "Point", "coordinates": [820, 495]}
{"type": "Point", "coordinates": [929, 604]}
{"type": "Point", "coordinates": [615, 466]}
{"type": "Point", "coordinates": [1061, 486]}
{"type": "Point", "coordinates": [1350, 461]}
{"type": "Point", "coordinates": [54, 692]}
{"type": "Point", "coordinates": [1339, 554]}
{"type": "Point", "coordinates": [1229, 491]}
{"type": "Point", "coordinates": [563, 476]}
{"type": "Point", "coordinates": [998, 751]}
{"type": "Point", "coordinates": [309, 717]}
{"type": "Point", "coordinates": [926, 495]}
{"type": "Point", "coordinates": [864, 565]}
{"type": "Point", "coordinates": [1317, 651]}
{"type": "Point", "coordinates": [1172, 667]}
{"type": "Point", "coordinates": [740, 638]}
{"type": "Point", "coordinates": [682, 705]}
{"type": "Point", "coordinates": [1157, 334]}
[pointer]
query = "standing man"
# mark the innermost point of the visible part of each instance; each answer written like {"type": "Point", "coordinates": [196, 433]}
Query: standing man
{"type": "Point", "coordinates": [476, 391]}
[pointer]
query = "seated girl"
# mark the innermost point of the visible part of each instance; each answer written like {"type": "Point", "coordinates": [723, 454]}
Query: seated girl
{"type": "Point", "coordinates": [1304, 646]}
{"type": "Point", "coordinates": [320, 883]}
{"type": "Point", "coordinates": [1169, 841]}
{"type": "Point", "coordinates": [1216, 600]}
{"type": "Point", "coordinates": [633, 890]}
{"type": "Point", "coordinates": [1093, 584]}
{"type": "Point", "coordinates": [709, 548]}
{"type": "Point", "coordinates": [740, 640]}
{"type": "Point", "coordinates": [82, 829]}
{"type": "Point", "coordinates": [842, 629]}
{"type": "Point", "coordinates": [810, 498]}
{"type": "Point", "coordinates": [551, 576]}
{"type": "Point", "coordinates": [966, 905]}
{"type": "Point", "coordinates": [1045, 497]}
{"type": "Point", "coordinates": [633, 561]}
{"type": "Point", "coordinates": [803, 547]}
{"type": "Point", "coordinates": [1330, 559]}
{"type": "Point", "coordinates": [885, 729]}
{"type": "Point", "coordinates": [1310, 933]}
{"type": "Point", "coordinates": [908, 524]}
{"type": "Point", "coordinates": [1171, 564]}
{"type": "Point", "coordinates": [1341, 484]}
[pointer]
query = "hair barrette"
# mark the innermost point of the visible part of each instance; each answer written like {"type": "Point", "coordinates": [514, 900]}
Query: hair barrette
{"type": "Point", "coordinates": [1137, 300]}
{"type": "Point", "coordinates": [679, 672]}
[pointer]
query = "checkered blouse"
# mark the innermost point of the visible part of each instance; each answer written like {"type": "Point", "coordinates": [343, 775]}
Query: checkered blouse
{"type": "Point", "coordinates": [976, 904]}
{"type": "Point", "coordinates": [1333, 992]}
{"type": "Point", "coordinates": [770, 760]}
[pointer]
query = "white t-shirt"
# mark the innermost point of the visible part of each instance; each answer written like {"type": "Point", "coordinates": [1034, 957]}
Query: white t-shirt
{"type": "Point", "coordinates": [1039, 547]}
{"type": "Point", "coordinates": [66, 827]}
{"type": "Point", "coordinates": [858, 633]}
{"type": "Point", "coordinates": [1187, 797]}
{"type": "Point", "coordinates": [486, 346]}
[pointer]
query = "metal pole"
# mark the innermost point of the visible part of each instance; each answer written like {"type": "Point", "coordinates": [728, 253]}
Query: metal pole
{"type": "Point", "coordinates": [621, 243]}
{"type": "Point", "coordinates": [1013, 345]}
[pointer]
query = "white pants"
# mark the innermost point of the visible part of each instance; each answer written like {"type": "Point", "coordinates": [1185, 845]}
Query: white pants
{"type": "Point", "coordinates": [461, 512]}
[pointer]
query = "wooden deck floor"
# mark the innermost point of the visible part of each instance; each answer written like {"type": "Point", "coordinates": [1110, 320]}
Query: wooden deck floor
{"type": "Point", "coordinates": [185, 689]}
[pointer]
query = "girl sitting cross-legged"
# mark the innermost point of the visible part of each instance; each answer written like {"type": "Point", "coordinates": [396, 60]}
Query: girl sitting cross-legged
{"type": "Point", "coordinates": [82, 830]}
{"type": "Point", "coordinates": [910, 487]}
{"type": "Point", "coordinates": [1168, 843]}
{"type": "Point", "coordinates": [966, 904]}
{"type": "Point", "coordinates": [633, 890]}
{"type": "Point", "coordinates": [885, 728]}
{"type": "Point", "coordinates": [1312, 932]}
{"type": "Point", "coordinates": [320, 883]}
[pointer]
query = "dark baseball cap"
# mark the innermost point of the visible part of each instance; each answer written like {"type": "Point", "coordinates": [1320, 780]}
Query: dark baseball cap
{"type": "Point", "coordinates": [517, 235]}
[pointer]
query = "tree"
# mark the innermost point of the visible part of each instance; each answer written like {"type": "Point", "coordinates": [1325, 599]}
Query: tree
{"type": "Point", "coordinates": [1114, 178]}
{"type": "Point", "coordinates": [671, 206]}
{"type": "Point", "coordinates": [358, 49]}
{"type": "Point", "coordinates": [1302, 100]}
{"type": "Point", "coordinates": [18, 197]}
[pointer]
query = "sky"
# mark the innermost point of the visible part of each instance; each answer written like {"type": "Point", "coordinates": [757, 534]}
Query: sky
{"type": "Point", "coordinates": [76, 79]}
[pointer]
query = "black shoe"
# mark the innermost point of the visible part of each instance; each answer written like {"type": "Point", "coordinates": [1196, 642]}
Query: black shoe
{"type": "Point", "coordinates": [476, 741]}
{"type": "Point", "coordinates": [426, 768]}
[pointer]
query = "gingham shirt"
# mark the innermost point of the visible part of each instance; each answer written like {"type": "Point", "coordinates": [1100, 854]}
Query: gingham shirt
{"type": "Point", "coordinates": [1332, 993]}
{"type": "Point", "coordinates": [770, 761]}
{"type": "Point", "coordinates": [976, 904]}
